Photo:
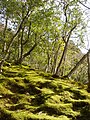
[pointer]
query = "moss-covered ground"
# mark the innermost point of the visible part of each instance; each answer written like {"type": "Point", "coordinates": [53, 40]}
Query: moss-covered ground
{"type": "Point", "coordinates": [28, 94]}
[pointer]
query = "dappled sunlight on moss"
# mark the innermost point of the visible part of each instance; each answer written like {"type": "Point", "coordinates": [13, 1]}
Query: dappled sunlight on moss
{"type": "Point", "coordinates": [29, 94]}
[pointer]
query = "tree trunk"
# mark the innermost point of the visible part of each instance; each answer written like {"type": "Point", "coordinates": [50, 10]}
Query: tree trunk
{"type": "Point", "coordinates": [48, 62]}
{"type": "Point", "coordinates": [20, 60]}
{"type": "Point", "coordinates": [62, 57]}
{"type": "Point", "coordinates": [65, 50]}
{"type": "Point", "coordinates": [88, 61]}
{"type": "Point", "coordinates": [77, 65]}
{"type": "Point", "coordinates": [22, 43]}
{"type": "Point", "coordinates": [55, 60]}
{"type": "Point", "coordinates": [11, 41]}
{"type": "Point", "coordinates": [4, 35]}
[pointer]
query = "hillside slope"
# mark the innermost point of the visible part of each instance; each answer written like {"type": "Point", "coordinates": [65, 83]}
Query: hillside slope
{"type": "Point", "coordinates": [27, 94]}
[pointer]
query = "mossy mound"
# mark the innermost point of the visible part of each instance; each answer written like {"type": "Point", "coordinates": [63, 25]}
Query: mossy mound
{"type": "Point", "coordinates": [28, 94]}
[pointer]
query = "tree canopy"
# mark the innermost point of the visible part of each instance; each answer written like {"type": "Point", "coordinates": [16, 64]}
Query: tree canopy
{"type": "Point", "coordinates": [43, 34]}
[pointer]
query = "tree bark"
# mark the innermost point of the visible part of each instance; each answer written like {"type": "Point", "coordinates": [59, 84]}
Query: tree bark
{"type": "Point", "coordinates": [4, 35]}
{"type": "Point", "coordinates": [55, 59]}
{"type": "Point", "coordinates": [22, 42]}
{"type": "Point", "coordinates": [88, 61]}
{"type": "Point", "coordinates": [47, 69]}
{"type": "Point", "coordinates": [64, 51]}
{"type": "Point", "coordinates": [11, 41]}
{"type": "Point", "coordinates": [77, 65]}
{"type": "Point", "coordinates": [20, 60]}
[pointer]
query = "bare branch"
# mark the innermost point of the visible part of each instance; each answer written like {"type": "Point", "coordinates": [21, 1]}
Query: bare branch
{"type": "Point", "coordinates": [84, 5]}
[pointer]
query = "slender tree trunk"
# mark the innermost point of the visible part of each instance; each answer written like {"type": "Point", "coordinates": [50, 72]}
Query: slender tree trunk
{"type": "Point", "coordinates": [65, 38]}
{"type": "Point", "coordinates": [62, 57]}
{"type": "Point", "coordinates": [4, 35]}
{"type": "Point", "coordinates": [88, 61]}
{"type": "Point", "coordinates": [29, 33]}
{"type": "Point", "coordinates": [20, 60]}
{"type": "Point", "coordinates": [11, 41]}
{"type": "Point", "coordinates": [1, 64]}
{"type": "Point", "coordinates": [4, 45]}
{"type": "Point", "coordinates": [22, 32]}
{"type": "Point", "coordinates": [47, 69]}
{"type": "Point", "coordinates": [77, 65]}
{"type": "Point", "coordinates": [63, 66]}
{"type": "Point", "coordinates": [55, 60]}
{"type": "Point", "coordinates": [22, 43]}
{"type": "Point", "coordinates": [65, 50]}
{"type": "Point", "coordinates": [31, 49]}
{"type": "Point", "coordinates": [18, 46]}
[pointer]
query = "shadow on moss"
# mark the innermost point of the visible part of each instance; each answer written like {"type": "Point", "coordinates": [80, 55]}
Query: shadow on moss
{"type": "Point", "coordinates": [4, 115]}
{"type": "Point", "coordinates": [84, 113]}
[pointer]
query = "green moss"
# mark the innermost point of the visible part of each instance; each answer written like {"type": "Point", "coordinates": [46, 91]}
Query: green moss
{"type": "Point", "coordinates": [28, 94]}
{"type": "Point", "coordinates": [64, 109]}
{"type": "Point", "coordinates": [39, 116]}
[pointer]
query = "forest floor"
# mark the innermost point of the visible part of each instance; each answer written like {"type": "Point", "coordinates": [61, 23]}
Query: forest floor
{"type": "Point", "coordinates": [28, 94]}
